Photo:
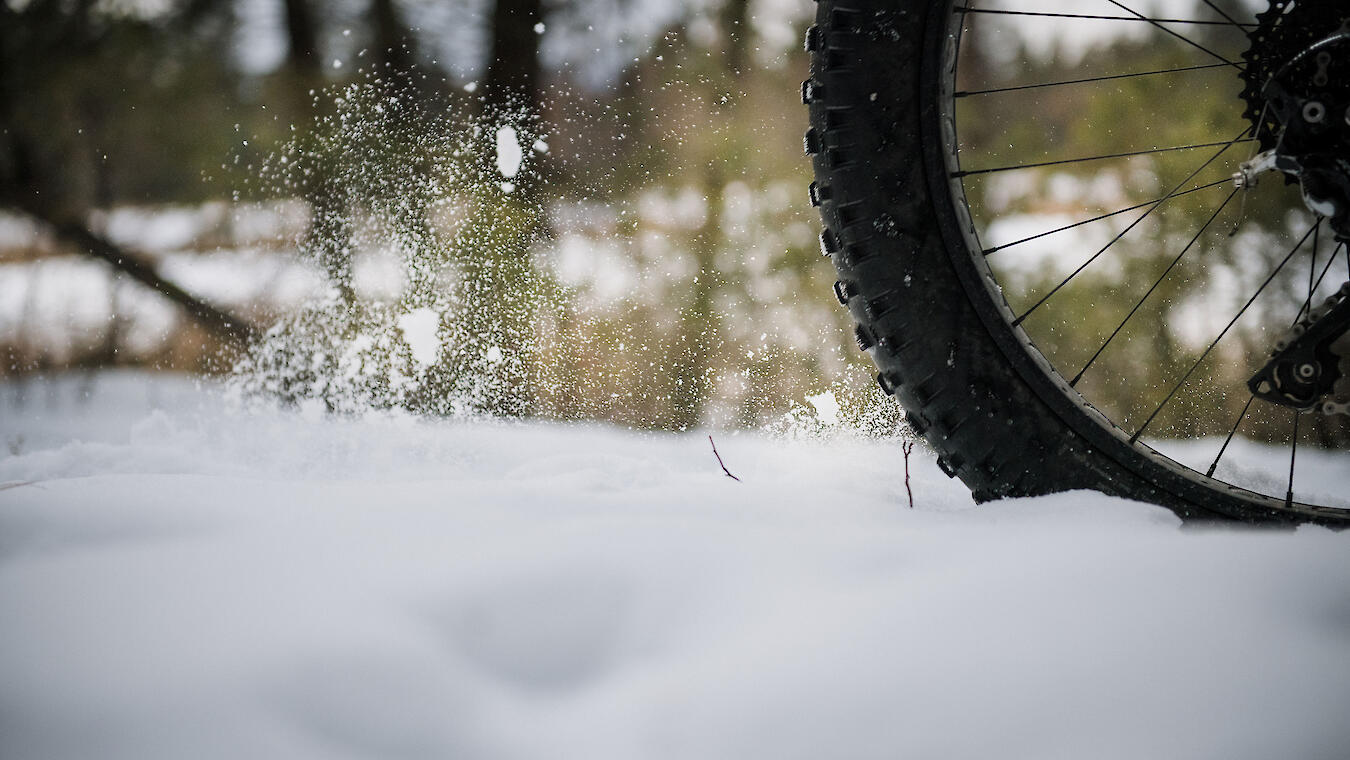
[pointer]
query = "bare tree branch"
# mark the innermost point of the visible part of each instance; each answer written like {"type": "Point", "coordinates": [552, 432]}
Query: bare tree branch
{"type": "Point", "coordinates": [91, 244]}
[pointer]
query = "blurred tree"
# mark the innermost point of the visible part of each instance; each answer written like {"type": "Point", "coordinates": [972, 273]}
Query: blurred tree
{"type": "Point", "coordinates": [72, 76]}
{"type": "Point", "coordinates": [395, 47]}
{"type": "Point", "coordinates": [512, 82]}
{"type": "Point", "coordinates": [302, 37]}
{"type": "Point", "coordinates": [700, 321]}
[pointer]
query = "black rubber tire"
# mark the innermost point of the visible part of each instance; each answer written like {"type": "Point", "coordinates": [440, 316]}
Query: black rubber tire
{"type": "Point", "coordinates": [998, 416]}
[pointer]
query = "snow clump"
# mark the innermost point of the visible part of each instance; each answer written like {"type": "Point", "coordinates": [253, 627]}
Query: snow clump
{"type": "Point", "coordinates": [509, 153]}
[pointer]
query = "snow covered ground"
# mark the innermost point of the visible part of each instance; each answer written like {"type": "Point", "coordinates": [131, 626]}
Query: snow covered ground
{"type": "Point", "coordinates": [179, 580]}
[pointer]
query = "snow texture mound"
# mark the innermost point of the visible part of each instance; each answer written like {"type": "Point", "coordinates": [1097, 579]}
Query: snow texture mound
{"type": "Point", "coordinates": [178, 580]}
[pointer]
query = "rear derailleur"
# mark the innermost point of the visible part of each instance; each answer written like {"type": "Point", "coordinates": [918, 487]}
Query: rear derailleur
{"type": "Point", "coordinates": [1310, 366]}
{"type": "Point", "coordinates": [1309, 98]}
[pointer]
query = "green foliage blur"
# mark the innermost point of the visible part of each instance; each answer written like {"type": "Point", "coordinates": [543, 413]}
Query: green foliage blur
{"type": "Point", "coordinates": [682, 166]}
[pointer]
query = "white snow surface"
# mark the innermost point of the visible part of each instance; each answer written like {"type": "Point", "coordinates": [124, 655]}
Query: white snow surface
{"type": "Point", "coordinates": [178, 579]}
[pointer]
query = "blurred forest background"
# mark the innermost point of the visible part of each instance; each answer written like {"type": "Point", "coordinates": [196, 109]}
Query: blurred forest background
{"type": "Point", "coordinates": [306, 174]}
{"type": "Point", "coordinates": [580, 209]}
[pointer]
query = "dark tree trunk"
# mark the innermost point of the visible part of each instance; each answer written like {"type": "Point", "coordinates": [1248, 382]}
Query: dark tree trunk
{"type": "Point", "coordinates": [393, 43]}
{"type": "Point", "coordinates": [302, 35]}
{"type": "Point", "coordinates": [513, 68]}
{"type": "Point", "coordinates": [17, 177]}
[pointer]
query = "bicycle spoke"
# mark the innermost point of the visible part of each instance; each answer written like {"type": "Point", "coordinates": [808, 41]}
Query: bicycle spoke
{"type": "Point", "coordinates": [1224, 332]}
{"type": "Point", "coordinates": [1312, 270]}
{"type": "Point", "coordinates": [1131, 226]}
{"type": "Point", "coordinates": [1181, 37]}
{"type": "Point", "coordinates": [1293, 455]}
{"type": "Point", "coordinates": [1325, 271]}
{"type": "Point", "coordinates": [1166, 64]}
{"type": "Point", "coordinates": [1108, 215]}
{"type": "Point", "coordinates": [1227, 18]}
{"type": "Point", "coordinates": [1086, 159]}
{"type": "Point", "coordinates": [968, 93]}
{"type": "Point", "coordinates": [1241, 416]}
{"type": "Point", "coordinates": [1307, 304]}
{"type": "Point", "coordinates": [1094, 17]}
{"type": "Point", "coordinates": [1166, 272]}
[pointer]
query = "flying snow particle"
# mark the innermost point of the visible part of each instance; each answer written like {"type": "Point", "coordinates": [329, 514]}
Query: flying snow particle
{"type": "Point", "coordinates": [470, 87]}
{"type": "Point", "coordinates": [419, 329]}
{"type": "Point", "coordinates": [539, 28]}
{"type": "Point", "coordinates": [493, 355]}
{"type": "Point", "coordinates": [540, 146]}
{"type": "Point", "coordinates": [509, 153]}
{"type": "Point", "coordinates": [826, 406]}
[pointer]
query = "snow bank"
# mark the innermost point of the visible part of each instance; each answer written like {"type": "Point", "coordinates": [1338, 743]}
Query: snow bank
{"type": "Point", "coordinates": [179, 580]}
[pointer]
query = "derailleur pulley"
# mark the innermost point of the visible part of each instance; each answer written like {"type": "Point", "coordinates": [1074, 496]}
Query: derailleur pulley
{"type": "Point", "coordinates": [1310, 366]}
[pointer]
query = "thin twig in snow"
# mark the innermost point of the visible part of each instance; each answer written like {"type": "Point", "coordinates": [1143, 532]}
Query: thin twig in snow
{"type": "Point", "coordinates": [5, 486]}
{"type": "Point", "coordinates": [908, 447]}
{"type": "Point", "coordinates": [719, 461]}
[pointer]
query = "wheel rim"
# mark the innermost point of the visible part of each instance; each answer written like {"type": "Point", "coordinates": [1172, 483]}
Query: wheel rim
{"type": "Point", "coordinates": [1045, 308]}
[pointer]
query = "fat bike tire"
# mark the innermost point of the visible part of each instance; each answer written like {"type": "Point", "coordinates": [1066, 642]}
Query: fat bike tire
{"type": "Point", "coordinates": [998, 416]}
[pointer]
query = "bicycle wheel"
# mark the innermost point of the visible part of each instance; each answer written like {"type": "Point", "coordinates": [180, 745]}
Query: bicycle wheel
{"type": "Point", "coordinates": [1034, 219]}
